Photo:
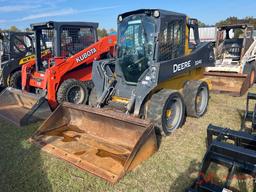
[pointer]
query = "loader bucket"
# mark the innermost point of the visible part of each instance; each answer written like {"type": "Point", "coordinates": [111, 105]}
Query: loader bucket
{"type": "Point", "coordinates": [100, 141]}
{"type": "Point", "coordinates": [22, 108]}
{"type": "Point", "coordinates": [231, 83]}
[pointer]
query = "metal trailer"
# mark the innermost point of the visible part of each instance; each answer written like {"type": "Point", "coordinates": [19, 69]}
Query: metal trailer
{"type": "Point", "coordinates": [206, 34]}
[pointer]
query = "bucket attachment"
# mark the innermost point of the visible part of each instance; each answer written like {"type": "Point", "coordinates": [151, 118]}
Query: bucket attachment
{"type": "Point", "coordinates": [232, 83]}
{"type": "Point", "coordinates": [231, 153]}
{"type": "Point", "coordinates": [22, 108]}
{"type": "Point", "coordinates": [100, 141]}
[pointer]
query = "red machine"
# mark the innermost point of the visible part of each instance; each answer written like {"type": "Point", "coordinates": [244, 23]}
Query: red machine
{"type": "Point", "coordinates": [62, 71]}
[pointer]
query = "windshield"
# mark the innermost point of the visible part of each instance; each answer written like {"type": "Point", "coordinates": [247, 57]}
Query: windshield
{"type": "Point", "coordinates": [135, 46]}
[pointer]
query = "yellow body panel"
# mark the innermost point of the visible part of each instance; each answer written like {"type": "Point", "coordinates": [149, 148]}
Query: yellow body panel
{"type": "Point", "coordinates": [120, 99]}
{"type": "Point", "coordinates": [178, 82]}
{"type": "Point", "coordinates": [31, 57]}
{"type": "Point", "coordinates": [26, 59]}
{"type": "Point", "coordinates": [187, 49]}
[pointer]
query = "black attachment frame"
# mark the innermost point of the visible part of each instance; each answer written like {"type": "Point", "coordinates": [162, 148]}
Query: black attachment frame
{"type": "Point", "coordinates": [239, 155]}
{"type": "Point", "coordinates": [250, 115]}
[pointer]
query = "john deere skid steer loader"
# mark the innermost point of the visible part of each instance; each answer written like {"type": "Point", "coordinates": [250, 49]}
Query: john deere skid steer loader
{"type": "Point", "coordinates": [157, 76]}
{"type": "Point", "coordinates": [17, 48]}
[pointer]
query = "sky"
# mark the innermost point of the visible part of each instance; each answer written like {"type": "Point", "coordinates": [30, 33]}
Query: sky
{"type": "Point", "coordinates": [22, 13]}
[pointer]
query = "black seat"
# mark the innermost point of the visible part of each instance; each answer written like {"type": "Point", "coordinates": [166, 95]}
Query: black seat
{"type": "Point", "coordinates": [233, 47]}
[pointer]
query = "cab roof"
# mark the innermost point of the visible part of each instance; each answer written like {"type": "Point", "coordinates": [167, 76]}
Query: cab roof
{"type": "Point", "coordinates": [163, 13]}
{"type": "Point", "coordinates": [234, 26]}
{"type": "Point", "coordinates": [56, 24]}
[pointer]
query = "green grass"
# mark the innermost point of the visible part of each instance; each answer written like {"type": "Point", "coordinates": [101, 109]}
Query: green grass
{"type": "Point", "coordinates": [23, 167]}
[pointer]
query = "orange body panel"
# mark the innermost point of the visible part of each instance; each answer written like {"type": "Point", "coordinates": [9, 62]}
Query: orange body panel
{"type": "Point", "coordinates": [78, 66]}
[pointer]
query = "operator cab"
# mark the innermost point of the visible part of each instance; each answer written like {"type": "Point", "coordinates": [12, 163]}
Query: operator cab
{"type": "Point", "coordinates": [15, 45]}
{"type": "Point", "coordinates": [62, 40]}
{"type": "Point", "coordinates": [233, 41]}
{"type": "Point", "coordinates": [148, 36]}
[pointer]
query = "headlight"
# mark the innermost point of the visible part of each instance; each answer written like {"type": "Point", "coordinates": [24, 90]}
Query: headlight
{"type": "Point", "coordinates": [156, 13]}
{"type": "Point", "coordinates": [153, 73]}
{"type": "Point", "coordinates": [120, 18]}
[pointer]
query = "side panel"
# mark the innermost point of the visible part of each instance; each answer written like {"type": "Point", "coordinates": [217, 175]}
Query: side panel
{"type": "Point", "coordinates": [178, 82]}
{"type": "Point", "coordinates": [203, 56]}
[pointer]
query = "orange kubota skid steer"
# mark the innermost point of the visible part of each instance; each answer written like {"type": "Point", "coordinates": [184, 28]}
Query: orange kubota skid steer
{"type": "Point", "coordinates": [65, 76]}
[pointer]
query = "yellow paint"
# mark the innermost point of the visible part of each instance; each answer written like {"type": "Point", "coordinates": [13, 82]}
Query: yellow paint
{"type": "Point", "coordinates": [209, 82]}
{"type": "Point", "coordinates": [26, 59]}
{"type": "Point", "coordinates": [187, 49]}
{"type": "Point", "coordinates": [168, 113]}
{"type": "Point", "coordinates": [120, 99]}
{"type": "Point", "coordinates": [31, 57]}
{"type": "Point", "coordinates": [178, 82]}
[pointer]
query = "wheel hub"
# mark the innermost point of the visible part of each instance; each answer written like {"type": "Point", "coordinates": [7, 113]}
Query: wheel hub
{"type": "Point", "coordinates": [75, 95]}
{"type": "Point", "coordinates": [201, 100]}
{"type": "Point", "coordinates": [172, 112]}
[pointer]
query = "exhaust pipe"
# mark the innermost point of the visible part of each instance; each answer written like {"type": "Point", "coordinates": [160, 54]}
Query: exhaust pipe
{"type": "Point", "coordinates": [100, 141]}
{"type": "Point", "coordinates": [22, 108]}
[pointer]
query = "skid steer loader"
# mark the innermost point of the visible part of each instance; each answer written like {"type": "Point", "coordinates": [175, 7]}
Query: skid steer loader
{"type": "Point", "coordinates": [235, 70]}
{"type": "Point", "coordinates": [17, 49]}
{"type": "Point", "coordinates": [229, 163]}
{"type": "Point", "coordinates": [63, 74]}
{"type": "Point", "coordinates": [157, 76]}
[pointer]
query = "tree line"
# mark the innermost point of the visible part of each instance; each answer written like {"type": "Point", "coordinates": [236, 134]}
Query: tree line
{"type": "Point", "coordinates": [232, 21]}
{"type": "Point", "coordinates": [102, 32]}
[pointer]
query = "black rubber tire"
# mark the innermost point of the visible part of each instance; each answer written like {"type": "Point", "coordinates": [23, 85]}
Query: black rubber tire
{"type": "Point", "coordinates": [191, 91]}
{"type": "Point", "coordinates": [157, 107]}
{"type": "Point", "coordinates": [67, 85]}
{"type": "Point", "coordinates": [93, 98]}
{"type": "Point", "coordinates": [15, 80]}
